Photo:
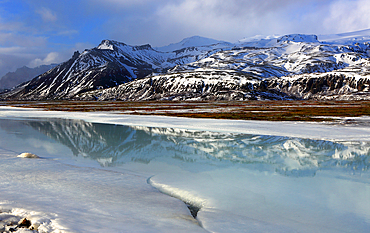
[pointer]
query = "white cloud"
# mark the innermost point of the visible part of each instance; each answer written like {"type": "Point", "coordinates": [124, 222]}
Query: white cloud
{"type": "Point", "coordinates": [59, 57]}
{"type": "Point", "coordinates": [234, 19]}
{"type": "Point", "coordinates": [52, 57]}
{"type": "Point", "coordinates": [10, 26]}
{"type": "Point", "coordinates": [46, 14]}
{"type": "Point", "coordinates": [170, 21]}
{"type": "Point", "coordinates": [225, 20]}
{"type": "Point", "coordinates": [347, 15]}
{"type": "Point", "coordinates": [11, 50]}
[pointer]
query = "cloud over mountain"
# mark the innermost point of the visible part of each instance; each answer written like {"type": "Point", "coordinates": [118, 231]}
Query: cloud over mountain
{"type": "Point", "coordinates": [34, 29]}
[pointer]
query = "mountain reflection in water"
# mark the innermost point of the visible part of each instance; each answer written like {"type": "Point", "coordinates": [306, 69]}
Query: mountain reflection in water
{"type": "Point", "coordinates": [111, 145]}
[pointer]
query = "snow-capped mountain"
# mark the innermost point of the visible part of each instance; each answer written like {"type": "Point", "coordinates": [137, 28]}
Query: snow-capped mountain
{"type": "Point", "coordinates": [287, 55]}
{"type": "Point", "coordinates": [286, 67]}
{"type": "Point", "coordinates": [109, 64]}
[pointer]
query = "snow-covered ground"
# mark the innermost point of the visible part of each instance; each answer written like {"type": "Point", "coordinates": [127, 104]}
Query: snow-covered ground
{"type": "Point", "coordinates": [245, 176]}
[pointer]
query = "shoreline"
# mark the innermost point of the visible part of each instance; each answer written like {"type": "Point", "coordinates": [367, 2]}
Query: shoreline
{"type": "Point", "coordinates": [312, 130]}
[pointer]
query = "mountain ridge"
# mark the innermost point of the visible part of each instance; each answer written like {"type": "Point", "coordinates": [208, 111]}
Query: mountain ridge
{"type": "Point", "coordinates": [212, 71]}
{"type": "Point", "coordinates": [22, 74]}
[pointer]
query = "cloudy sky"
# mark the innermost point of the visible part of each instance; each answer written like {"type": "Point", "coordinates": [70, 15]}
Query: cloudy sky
{"type": "Point", "coordinates": [35, 32]}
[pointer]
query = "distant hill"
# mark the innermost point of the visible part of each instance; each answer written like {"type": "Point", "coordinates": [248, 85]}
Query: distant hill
{"type": "Point", "coordinates": [22, 74]}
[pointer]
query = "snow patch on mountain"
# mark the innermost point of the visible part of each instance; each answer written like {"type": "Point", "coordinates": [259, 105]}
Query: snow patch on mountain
{"type": "Point", "coordinates": [105, 44]}
{"type": "Point", "coordinates": [298, 38]}
{"type": "Point", "coordinates": [257, 38]}
{"type": "Point", "coordinates": [201, 84]}
{"type": "Point", "coordinates": [274, 40]}
{"type": "Point", "coordinates": [194, 41]}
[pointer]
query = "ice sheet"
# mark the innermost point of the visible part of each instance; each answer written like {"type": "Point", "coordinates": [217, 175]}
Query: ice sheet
{"type": "Point", "coordinates": [83, 199]}
{"type": "Point", "coordinates": [241, 183]}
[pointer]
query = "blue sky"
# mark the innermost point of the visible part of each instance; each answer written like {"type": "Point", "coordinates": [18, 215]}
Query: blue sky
{"type": "Point", "coordinates": [35, 32]}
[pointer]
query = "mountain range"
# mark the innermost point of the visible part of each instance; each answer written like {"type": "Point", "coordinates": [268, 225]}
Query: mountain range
{"type": "Point", "coordinates": [292, 66]}
{"type": "Point", "coordinates": [23, 74]}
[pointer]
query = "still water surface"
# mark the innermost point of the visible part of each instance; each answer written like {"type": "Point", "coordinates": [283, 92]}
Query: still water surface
{"type": "Point", "coordinates": [265, 183]}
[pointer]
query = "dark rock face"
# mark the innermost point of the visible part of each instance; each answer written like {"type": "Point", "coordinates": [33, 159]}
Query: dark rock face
{"type": "Point", "coordinates": [325, 86]}
{"type": "Point", "coordinates": [192, 86]}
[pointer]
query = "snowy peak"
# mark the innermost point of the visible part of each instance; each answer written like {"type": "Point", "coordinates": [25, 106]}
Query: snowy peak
{"type": "Point", "coordinates": [115, 49]}
{"type": "Point", "coordinates": [298, 38]}
{"type": "Point", "coordinates": [106, 44]}
{"type": "Point", "coordinates": [194, 41]}
{"type": "Point", "coordinates": [110, 45]}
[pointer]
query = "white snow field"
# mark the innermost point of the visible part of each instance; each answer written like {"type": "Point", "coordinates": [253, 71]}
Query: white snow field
{"type": "Point", "coordinates": [108, 172]}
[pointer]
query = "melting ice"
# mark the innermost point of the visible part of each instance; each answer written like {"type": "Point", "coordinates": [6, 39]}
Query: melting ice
{"type": "Point", "coordinates": [97, 177]}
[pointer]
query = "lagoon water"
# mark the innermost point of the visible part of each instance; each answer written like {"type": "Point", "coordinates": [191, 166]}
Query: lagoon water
{"type": "Point", "coordinates": [238, 182]}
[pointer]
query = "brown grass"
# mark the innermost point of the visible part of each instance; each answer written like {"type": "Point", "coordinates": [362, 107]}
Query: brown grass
{"type": "Point", "coordinates": [247, 110]}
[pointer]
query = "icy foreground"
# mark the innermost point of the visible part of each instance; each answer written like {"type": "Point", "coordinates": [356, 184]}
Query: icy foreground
{"type": "Point", "coordinates": [95, 177]}
{"type": "Point", "coordinates": [75, 199]}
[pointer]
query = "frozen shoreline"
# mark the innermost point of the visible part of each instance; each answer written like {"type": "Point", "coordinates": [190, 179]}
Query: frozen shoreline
{"type": "Point", "coordinates": [311, 130]}
{"type": "Point", "coordinates": [61, 198]}
{"type": "Point", "coordinates": [255, 189]}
